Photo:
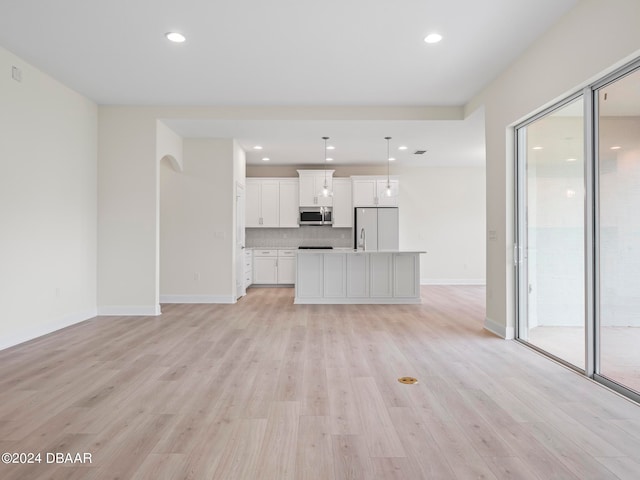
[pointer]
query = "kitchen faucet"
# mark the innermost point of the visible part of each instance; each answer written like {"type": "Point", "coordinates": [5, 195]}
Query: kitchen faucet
{"type": "Point", "coordinates": [363, 239]}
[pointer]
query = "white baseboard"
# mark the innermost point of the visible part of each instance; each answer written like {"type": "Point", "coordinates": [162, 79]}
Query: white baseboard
{"type": "Point", "coordinates": [197, 299]}
{"type": "Point", "coordinates": [453, 281]}
{"type": "Point", "coordinates": [37, 331]}
{"type": "Point", "coordinates": [498, 329]}
{"type": "Point", "coordinates": [129, 310]}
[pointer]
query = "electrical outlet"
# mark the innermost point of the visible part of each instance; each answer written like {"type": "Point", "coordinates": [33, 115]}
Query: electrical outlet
{"type": "Point", "coordinates": [196, 277]}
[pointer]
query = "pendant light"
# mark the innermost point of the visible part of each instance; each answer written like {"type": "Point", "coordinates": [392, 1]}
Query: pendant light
{"type": "Point", "coordinates": [388, 189]}
{"type": "Point", "coordinates": [326, 192]}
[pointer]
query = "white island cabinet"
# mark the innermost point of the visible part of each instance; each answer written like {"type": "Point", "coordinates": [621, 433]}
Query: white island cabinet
{"type": "Point", "coordinates": [359, 277]}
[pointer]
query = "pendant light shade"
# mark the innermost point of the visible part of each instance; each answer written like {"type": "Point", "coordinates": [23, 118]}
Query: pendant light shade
{"type": "Point", "coordinates": [388, 189]}
{"type": "Point", "coordinates": [326, 191]}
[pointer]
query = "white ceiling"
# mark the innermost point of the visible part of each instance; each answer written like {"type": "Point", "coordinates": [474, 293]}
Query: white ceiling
{"type": "Point", "coordinates": [283, 53]}
{"type": "Point", "coordinates": [448, 142]}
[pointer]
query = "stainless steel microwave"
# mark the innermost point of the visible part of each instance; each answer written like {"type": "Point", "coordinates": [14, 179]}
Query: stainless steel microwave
{"type": "Point", "coordinates": [315, 216]}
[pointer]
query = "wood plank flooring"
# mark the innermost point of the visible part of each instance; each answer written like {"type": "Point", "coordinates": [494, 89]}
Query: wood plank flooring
{"type": "Point", "coordinates": [619, 352]}
{"type": "Point", "coordinates": [265, 389]}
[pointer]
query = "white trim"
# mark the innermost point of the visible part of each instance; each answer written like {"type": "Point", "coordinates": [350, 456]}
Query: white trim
{"type": "Point", "coordinates": [40, 330]}
{"type": "Point", "coordinates": [129, 310]}
{"type": "Point", "coordinates": [197, 299]}
{"type": "Point", "coordinates": [453, 281]}
{"type": "Point", "coordinates": [498, 329]}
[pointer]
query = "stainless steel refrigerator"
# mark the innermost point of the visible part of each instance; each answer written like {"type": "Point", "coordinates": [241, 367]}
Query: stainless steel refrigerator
{"type": "Point", "coordinates": [377, 227]}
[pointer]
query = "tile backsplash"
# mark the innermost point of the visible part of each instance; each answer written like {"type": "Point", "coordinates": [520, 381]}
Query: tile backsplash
{"type": "Point", "coordinates": [294, 237]}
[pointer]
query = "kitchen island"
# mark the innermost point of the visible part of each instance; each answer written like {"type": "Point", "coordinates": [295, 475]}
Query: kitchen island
{"type": "Point", "coordinates": [356, 276]}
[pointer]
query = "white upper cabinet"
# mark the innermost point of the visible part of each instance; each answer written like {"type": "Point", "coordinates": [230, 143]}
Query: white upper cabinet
{"type": "Point", "coordinates": [342, 203]}
{"type": "Point", "coordinates": [262, 203]}
{"type": "Point", "coordinates": [385, 200]}
{"type": "Point", "coordinates": [289, 203]}
{"type": "Point", "coordinates": [311, 184]}
{"type": "Point", "coordinates": [253, 203]}
{"type": "Point", "coordinates": [371, 191]}
{"type": "Point", "coordinates": [308, 195]}
{"type": "Point", "coordinates": [270, 198]}
{"type": "Point", "coordinates": [364, 192]}
{"type": "Point", "coordinates": [272, 202]}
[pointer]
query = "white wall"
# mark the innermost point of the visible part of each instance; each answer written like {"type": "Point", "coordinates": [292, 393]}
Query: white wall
{"type": "Point", "coordinates": [593, 38]}
{"type": "Point", "coordinates": [127, 212]}
{"type": "Point", "coordinates": [239, 163]}
{"type": "Point", "coordinates": [442, 211]}
{"type": "Point", "coordinates": [168, 144]}
{"type": "Point", "coordinates": [48, 145]}
{"type": "Point", "coordinates": [196, 225]}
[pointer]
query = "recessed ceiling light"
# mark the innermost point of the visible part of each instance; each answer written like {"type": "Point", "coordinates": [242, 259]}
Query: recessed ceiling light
{"type": "Point", "coordinates": [329, 159]}
{"type": "Point", "coordinates": [616, 147]}
{"type": "Point", "coordinates": [433, 38]}
{"type": "Point", "coordinates": [391, 159]}
{"type": "Point", "coordinates": [402, 147]}
{"type": "Point", "coordinates": [537, 148]}
{"type": "Point", "coordinates": [257, 147]}
{"type": "Point", "coordinates": [175, 37]}
{"type": "Point", "coordinates": [331, 147]}
{"type": "Point", "coordinates": [572, 159]}
{"type": "Point", "coordinates": [266, 159]}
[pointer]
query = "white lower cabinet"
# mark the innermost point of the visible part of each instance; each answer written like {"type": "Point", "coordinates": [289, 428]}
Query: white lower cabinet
{"type": "Point", "coordinates": [381, 275]}
{"type": "Point", "coordinates": [357, 273]}
{"type": "Point", "coordinates": [406, 274]}
{"type": "Point", "coordinates": [248, 268]}
{"type": "Point", "coordinates": [335, 276]}
{"type": "Point", "coordinates": [274, 267]}
{"type": "Point", "coordinates": [310, 274]}
{"type": "Point", "coordinates": [264, 266]}
{"type": "Point", "coordinates": [286, 267]}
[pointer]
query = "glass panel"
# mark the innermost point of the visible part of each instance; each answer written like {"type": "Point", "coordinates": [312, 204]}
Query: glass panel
{"type": "Point", "coordinates": [619, 230]}
{"type": "Point", "coordinates": [552, 233]}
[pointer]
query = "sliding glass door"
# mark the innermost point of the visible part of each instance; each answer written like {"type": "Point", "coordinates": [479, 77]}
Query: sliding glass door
{"type": "Point", "coordinates": [618, 174]}
{"type": "Point", "coordinates": [551, 233]}
{"type": "Point", "coordinates": [577, 251]}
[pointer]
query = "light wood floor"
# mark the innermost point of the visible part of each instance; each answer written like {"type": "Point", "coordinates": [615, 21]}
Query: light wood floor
{"type": "Point", "coordinates": [267, 390]}
{"type": "Point", "coordinates": [619, 350]}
